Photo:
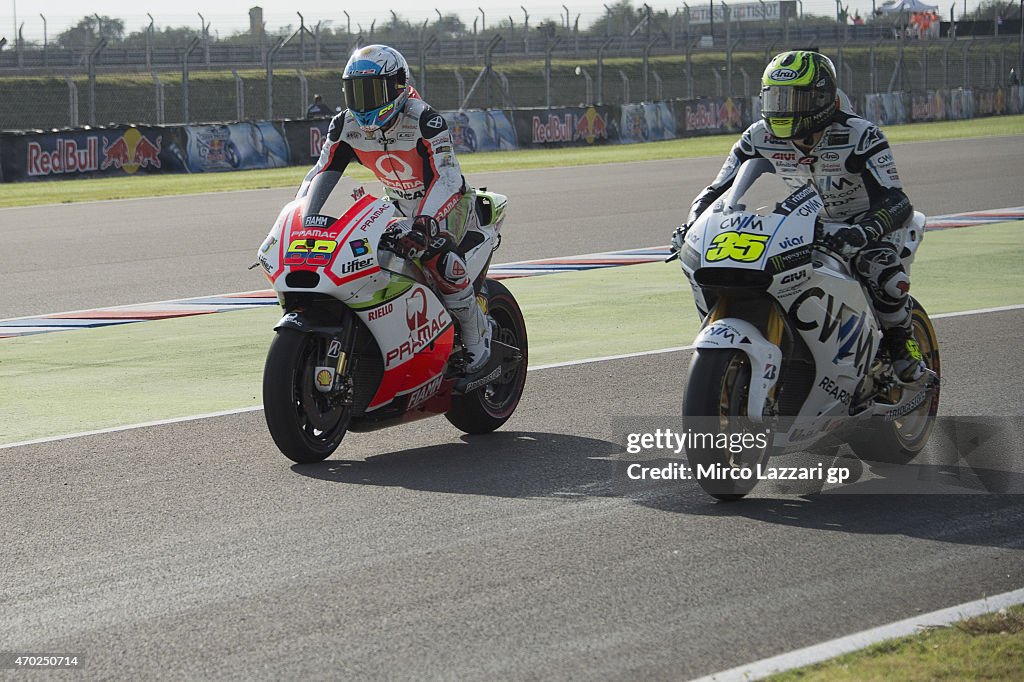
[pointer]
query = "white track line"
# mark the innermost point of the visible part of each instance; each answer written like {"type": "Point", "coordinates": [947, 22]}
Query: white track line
{"type": "Point", "coordinates": [857, 641]}
{"type": "Point", "coordinates": [129, 427]}
{"type": "Point", "coordinates": [553, 365]}
{"type": "Point", "coordinates": [979, 311]}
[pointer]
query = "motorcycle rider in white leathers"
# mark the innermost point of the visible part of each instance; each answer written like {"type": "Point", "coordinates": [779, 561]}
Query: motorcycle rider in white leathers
{"type": "Point", "coordinates": [807, 137]}
{"type": "Point", "coordinates": [396, 135]}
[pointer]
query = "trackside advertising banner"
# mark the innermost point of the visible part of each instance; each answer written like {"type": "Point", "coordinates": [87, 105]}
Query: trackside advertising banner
{"type": "Point", "coordinates": [481, 131]}
{"type": "Point", "coordinates": [566, 127]}
{"type": "Point", "coordinates": [942, 105]}
{"type": "Point", "coordinates": [305, 139]}
{"type": "Point", "coordinates": [712, 115]}
{"type": "Point", "coordinates": [236, 146]}
{"type": "Point", "coordinates": [472, 131]}
{"type": "Point", "coordinates": [647, 122]}
{"type": "Point", "coordinates": [129, 150]}
{"type": "Point", "coordinates": [117, 151]}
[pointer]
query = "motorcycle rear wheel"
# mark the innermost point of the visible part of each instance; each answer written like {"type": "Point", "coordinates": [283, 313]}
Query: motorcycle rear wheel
{"type": "Point", "coordinates": [901, 440]}
{"type": "Point", "coordinates": [487, 408]}
{"type": "Point", "coordinates": [715, 402]}
{"type": "Point", "coordinates": [305, 427]}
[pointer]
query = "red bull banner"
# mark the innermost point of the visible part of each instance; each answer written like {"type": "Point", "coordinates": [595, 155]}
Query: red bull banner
{"type": "Point", "coordinates": [564, 127]}
{"type": "Point", "coordinates": [712, 115]}
{"type": "Point", "coordinates": [305, 139]}
{"type": "Point", "coordinates": [123, 150]}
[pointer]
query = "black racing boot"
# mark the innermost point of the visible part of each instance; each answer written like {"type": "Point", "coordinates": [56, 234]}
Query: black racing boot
{"type": "Point", "coordinates": [907, 361]}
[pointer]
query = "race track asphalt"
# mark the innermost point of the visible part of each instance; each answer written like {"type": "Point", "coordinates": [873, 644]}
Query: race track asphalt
{"type": "Point", "coordinates": [75, 256]}
{"type": "Point", "coordinates": [196, 550]}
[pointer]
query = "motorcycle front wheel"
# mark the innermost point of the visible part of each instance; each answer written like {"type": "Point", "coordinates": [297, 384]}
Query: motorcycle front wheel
{"type": "Point", "coordinates": [304, 423]}
{"type": "Point", "coordinates": [715, 404]}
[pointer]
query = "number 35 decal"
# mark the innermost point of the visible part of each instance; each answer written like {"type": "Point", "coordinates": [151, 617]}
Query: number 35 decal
{"type": "Point", "coordinates": [738, 246]}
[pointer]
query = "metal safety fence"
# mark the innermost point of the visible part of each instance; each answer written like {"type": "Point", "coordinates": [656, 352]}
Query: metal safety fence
{"type": "Point", "coordinates": [193, 94]}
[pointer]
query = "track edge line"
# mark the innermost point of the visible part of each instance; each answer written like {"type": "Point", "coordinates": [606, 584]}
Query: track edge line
{"type": "Point", "coordinates": [824, 651]}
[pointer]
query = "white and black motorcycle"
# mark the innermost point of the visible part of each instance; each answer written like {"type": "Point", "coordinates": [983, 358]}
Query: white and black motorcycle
{"type": "Point", "coordinates": [790, 344]}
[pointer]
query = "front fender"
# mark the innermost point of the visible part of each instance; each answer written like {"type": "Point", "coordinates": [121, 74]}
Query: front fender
{"type": "Point", "coordinates": [765, 357]}
{"type": "Point", "coordinates": [302, 323]}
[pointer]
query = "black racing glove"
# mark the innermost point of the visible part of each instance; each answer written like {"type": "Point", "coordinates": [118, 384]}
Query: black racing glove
{"type": "Point", "coordinates": [409, 244]}
{"type": "Point", "coordinates": [426, 225]}
{"type": "Point", "coordinates": [847, 240]}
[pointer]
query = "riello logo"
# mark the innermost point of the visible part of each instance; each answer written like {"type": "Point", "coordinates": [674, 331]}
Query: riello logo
{"type": "Point", "coordinates": [66, 158]}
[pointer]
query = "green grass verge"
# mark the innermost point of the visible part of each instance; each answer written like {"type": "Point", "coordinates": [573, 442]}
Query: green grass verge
{"type": "Point", "coordinates": [989, 647]}
{"type": "Point", "coordinates": [74, 381]}
{"type": "Point", "coordinates": [67, 191]}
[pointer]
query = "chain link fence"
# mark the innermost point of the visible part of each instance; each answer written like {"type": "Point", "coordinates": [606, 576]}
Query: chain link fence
{"type": "Point", "coordinates": [193, 95]}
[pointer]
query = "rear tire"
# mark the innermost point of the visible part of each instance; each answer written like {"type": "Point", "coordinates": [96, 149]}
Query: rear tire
{"type": "Point", "coordinates": [717, 387]}
{"type": "Point", "coordinates": [305, 427]}
{"type": "Point", "coordinates": [487, 408]}
{"type": "Point", "coordinates": [901, 440]}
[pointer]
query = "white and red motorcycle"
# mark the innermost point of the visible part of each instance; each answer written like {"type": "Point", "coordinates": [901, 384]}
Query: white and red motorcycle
{"type": "Point", "coordinates": [790, 345]}
{"type": "Point", "coordinates": [365, 343]}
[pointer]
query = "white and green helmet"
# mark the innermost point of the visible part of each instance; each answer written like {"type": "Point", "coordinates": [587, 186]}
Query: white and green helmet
{"type": "Point", "coordinates": [798, 94]}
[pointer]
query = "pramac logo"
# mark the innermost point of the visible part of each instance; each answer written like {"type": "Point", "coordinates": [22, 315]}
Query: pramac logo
{"type": "Point", "coordinates": [392, 164]}
{"type": "Point", "coordinates": [416, 310]}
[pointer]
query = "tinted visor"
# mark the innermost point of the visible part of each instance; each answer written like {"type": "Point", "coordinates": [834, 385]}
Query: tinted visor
{"type": "Point", "coordinates": [787, 100]}
{"type": "Point", "coordinates": [367, 94]}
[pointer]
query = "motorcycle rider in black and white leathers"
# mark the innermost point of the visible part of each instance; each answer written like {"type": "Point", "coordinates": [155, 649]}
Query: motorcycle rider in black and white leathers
{"type": "Point", "coordinates": [807, 137]}
{"type": "Point", "coordinates": [407, 145]}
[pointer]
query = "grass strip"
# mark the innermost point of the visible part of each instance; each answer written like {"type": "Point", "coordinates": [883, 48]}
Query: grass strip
{"type": "Point", "coordinates": [988, 647]}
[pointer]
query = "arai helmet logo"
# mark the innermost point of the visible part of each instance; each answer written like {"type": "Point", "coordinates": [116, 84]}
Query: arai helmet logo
{"type": "Point", "coordinates": [783, 75]}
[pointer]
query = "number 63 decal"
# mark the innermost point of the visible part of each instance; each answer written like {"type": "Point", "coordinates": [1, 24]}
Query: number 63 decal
{"type": "Point", "coordinates": [738, 246]}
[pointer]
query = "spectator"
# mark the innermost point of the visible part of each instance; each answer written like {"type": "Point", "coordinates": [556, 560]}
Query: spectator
{"type": "Point", "coordinates": [857, 20]}
{"type": "Point", "coordinates": [318, 109]}
{"type": "Point", "coordinates": [1014, 78]}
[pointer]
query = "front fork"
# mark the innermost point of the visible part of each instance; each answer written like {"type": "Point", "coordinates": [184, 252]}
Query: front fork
{"type": "Point", "coordinates": [762, 343]}
{"type": "Point", "coordinates": [334, 342]}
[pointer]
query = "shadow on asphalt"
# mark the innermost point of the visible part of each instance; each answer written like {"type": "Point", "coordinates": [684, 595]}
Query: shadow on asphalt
{"type": "Point", "coordinates": [984, 520]}
{"type": "Point", "coordinates": [502, 464]}
{"type": "Point", "coordinates": [917, 501]}
{"type": "Point", "coordinates": [546, 465]}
